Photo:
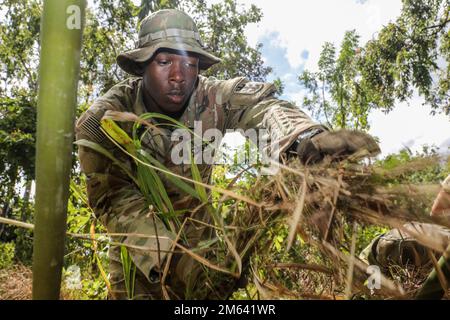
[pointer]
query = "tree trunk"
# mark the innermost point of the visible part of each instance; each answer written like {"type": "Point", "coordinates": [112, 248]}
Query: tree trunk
{"type": "Point", "coordinates": [8, 202]}
{"type": "Point", "coordinates": [61, 31]}
{"type": "Point", "coordinates": [26, 201]}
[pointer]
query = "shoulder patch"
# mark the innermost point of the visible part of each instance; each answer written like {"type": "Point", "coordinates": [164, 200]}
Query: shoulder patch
{"type": "Point", "coordinates": [217, 91]}
{"type": "Point", "coordinates": [248, 93]}
{"type": "Point", "coordinates": [249, 88]}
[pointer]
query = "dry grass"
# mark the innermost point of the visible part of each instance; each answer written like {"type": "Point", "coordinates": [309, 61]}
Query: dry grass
{"type": "Point", "coordinates": [15, 283]}
{"type": "Point", "coordinates": [317, 203]}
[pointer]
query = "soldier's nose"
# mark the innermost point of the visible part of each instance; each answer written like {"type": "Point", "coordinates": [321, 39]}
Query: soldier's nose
{"type": "Point", "coordinates": [176, 73]}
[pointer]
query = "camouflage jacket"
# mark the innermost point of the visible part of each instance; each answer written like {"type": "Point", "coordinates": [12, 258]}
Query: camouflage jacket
{"type": "Point", "coordinates": [230, 104]}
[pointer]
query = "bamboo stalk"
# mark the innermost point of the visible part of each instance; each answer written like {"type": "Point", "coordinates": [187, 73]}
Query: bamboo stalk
{"type": "Point", "coordinates": [61, 31]}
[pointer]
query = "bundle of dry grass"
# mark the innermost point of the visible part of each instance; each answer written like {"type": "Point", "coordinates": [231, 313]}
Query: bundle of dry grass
{"type": "Point", "coordinates": [324, 206]}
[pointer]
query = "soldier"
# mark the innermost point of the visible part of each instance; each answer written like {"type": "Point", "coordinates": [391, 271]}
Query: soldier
{"type": "Point", "coordinates": [401, 247]}
{"type": "Point", "coordinates": [165, 65]}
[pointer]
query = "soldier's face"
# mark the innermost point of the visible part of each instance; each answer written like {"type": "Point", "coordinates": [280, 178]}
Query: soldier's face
{"type": "Point", "coordinates": [169, 80]}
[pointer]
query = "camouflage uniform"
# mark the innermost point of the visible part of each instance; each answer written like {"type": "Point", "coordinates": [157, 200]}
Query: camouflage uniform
{"type": "Point", "coordinates": [219, 104]}
{"type": "Point", "coordinates": [401, 247]}
{"type": "Point", "coordinates": [117, 202]}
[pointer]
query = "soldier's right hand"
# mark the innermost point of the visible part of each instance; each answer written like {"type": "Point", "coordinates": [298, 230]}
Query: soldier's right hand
{"type": "Point", "coordinates": [338, 145]}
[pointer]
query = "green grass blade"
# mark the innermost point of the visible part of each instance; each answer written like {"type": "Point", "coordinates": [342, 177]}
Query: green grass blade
{"type": "Point", "coordinates": [176, 181]}
{"type": "Point", "coordinates": [201, 191]}
{"type": "Point", "coordinates": [113, 130]}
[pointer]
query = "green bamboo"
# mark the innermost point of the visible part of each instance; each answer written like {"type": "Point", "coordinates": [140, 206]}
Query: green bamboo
{"type": "Point", "coordinates": [61, 31]}
{"type": "Point", "coordinates": [432, 287]}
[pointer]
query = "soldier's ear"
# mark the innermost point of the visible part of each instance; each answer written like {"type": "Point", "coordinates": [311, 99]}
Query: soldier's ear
{"type": "Point", "coordinates": [140, 67]}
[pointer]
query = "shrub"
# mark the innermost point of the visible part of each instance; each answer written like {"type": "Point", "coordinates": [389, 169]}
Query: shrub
{"type": "Point", "coordinates": [6, 254]}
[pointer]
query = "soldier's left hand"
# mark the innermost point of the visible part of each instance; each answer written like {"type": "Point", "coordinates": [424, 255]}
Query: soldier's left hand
{"type": "Point", "coordinates": [338, 145]}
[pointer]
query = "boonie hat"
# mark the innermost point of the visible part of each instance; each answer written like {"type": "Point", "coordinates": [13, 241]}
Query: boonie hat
{"type": "Point", "coordinates": [165, 29]}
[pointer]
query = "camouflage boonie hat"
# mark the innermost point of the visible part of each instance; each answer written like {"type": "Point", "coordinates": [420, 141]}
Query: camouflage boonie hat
{"type": "Point", "coordinates": [169, 29]}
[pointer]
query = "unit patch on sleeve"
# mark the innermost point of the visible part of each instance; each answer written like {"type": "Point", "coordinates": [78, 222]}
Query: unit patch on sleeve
{"type": "Point", "coordinates": [249, 88]}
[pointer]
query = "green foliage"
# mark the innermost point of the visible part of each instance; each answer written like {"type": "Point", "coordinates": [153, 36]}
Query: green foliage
{"type": "Point", "coordinates": [335, 91]}
{"type": "Point", "coordinates": [17, 131]}
{"type": "Point", "coordinates": [19, 29]}
{"type": "Point", "coordinates": [279, 85]}
{"type": "Point", "coordinates": [412, 53]}
{"type": "Point", "coordinates": [364, 236]}
{"type": "Point", "coordinates": [6, 254]}
{"type": "Point", "coordinates": [83, 285]}
{"type": "Point", "coordinates": [110, 28]}
{"type": "Point", "coordinates": [222, 27]}
{"type": "Point", "coordinates": [405, 56]}
{"type": "Point", "coordinates": [435, 173]}
{"type": "Point", "coordinates": [23, 246]}
{"type": "Point", "coordinates": [89, 257]}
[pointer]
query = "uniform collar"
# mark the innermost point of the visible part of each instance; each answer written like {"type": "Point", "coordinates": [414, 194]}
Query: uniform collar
{"type": "Point", "coordinates": [139, 106]}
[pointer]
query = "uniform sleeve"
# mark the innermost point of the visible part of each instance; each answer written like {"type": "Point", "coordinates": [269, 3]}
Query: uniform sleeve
{"type": "Point", "coordinates": [253, 105]}
{"type": "Point", "coordinates": [115, 199]}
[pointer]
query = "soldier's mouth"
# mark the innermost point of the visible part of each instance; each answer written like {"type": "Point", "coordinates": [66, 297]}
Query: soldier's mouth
{"type": "Point", "coordinates": [176, 96]}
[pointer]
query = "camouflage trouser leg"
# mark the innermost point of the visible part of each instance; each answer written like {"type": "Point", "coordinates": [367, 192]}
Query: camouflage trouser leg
{"type": "Point", "coordinates": [400, 248]}
{"type": "Point", "coordinates": [143, 288]}
{"type": "Point", "coordinates": [186, 278]}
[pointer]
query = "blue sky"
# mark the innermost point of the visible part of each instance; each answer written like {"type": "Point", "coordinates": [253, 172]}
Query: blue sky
{"type": "Point", "coordinates": [274, 54]}
{"type": "Point", "coordinates": [292, 34]}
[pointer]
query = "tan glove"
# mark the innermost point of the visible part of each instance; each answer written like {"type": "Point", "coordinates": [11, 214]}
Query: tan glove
{"type": "Point", "coordinates": [441, 206]}
{"type": "Point", "coordinates": [337, 145]}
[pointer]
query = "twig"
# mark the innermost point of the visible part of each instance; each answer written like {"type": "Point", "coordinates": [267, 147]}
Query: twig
{"type": "Point", "coordinates": [336, 194]}
{"type": "Point", "coordinates": [311, 267]}
{"type": "Point", "coordinates": [351, 263]}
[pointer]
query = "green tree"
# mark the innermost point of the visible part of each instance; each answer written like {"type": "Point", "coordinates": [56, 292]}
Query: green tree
{"type": "Point", "coordinates": [148, 6]}
{"type": "Point", "coordinates": [412, 53]}
{"type": "Point", "coordinates": [335, 91]}
{"type": "Point", "coordinates": [19, 49]}
{"type": "Point", "coordinates": [222, 26]}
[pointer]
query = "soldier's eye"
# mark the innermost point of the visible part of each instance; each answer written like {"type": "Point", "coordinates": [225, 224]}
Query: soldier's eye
{"type": "Point", "coordinates": [191, 64]}
{"type": "Point", "coordinates": [163, 62]}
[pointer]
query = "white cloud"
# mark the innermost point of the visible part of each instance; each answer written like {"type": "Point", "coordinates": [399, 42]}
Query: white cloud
{"type": "Point", "coordinates": [306, 25]}
{"type": "Point", "coordinates": [410, 126]}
